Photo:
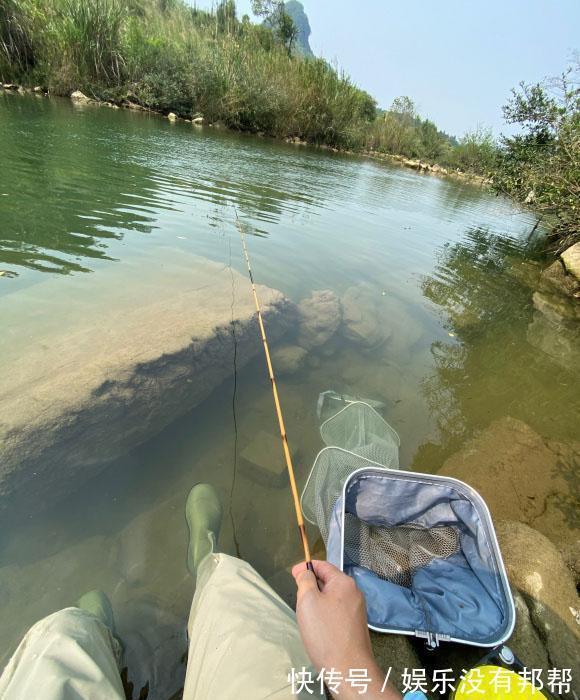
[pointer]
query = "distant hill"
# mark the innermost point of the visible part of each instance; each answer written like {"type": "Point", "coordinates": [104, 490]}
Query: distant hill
{"type": "Point", "coordinates": [295, 9]}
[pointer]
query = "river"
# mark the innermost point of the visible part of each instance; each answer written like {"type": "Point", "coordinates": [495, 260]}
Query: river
{"type": "Point", "coordinates": [112, 196]}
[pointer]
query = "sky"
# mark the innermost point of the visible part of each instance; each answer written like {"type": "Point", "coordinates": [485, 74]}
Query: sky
{"type": "Point", "coordinates": [457, 59]}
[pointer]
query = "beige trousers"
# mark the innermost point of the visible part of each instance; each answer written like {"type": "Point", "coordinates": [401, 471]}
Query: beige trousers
{"type": "Point", "coordinates": [244, 641]}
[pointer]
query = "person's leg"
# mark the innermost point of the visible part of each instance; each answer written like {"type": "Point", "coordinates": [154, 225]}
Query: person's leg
{"type": "Point", "coordinates": [243, 638]}
{"type": "Point", "coordinates": [68, 655]}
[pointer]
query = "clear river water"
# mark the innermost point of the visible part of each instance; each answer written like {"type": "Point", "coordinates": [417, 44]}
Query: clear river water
{"type": "Point", "coordinates": [112, 194]}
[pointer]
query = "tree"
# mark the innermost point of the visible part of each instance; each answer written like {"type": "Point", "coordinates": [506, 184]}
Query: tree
{"type": "Point", "coordinates": [276, 17]}
{"type": "Point", "coordinates": [540, 165]}
{"type": "Point", "coordinates": [432, 141]}
{"type": "Point", "coordinates": [404, 108]}
{"type": "Point", "coordinates": [476, 151]}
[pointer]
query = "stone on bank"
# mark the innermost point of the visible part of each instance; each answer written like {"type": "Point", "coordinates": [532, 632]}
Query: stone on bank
{"type": "Point", "coordinates": [571, 259]}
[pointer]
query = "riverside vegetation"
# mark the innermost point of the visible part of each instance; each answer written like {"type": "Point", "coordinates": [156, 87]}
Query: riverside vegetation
{"type": "Point", "coordinates": [167, 56]}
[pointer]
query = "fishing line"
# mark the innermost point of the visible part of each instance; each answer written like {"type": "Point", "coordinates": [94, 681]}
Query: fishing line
{"type": "Point", "coordinates": [234, 397]}
{"type": "Point", "coordinates": [278, 407]}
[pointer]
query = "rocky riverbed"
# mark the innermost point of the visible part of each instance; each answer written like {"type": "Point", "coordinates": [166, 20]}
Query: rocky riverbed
{"type": "Point", "coordinates": [120, 370]}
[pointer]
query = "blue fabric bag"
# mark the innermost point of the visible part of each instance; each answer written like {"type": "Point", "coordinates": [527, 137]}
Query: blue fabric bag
{"type": "Point", "coordinates": [460, 594]}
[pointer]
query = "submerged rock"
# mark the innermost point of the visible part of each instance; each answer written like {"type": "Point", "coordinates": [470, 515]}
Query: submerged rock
{"type": "Point", "coordinates": [319, 317]}
{"type": "Point", "coordinates": [133, 355]}
{"type": "Point", "coordinates": [525, 641]}
{"type": "Point", "coordinates": [556, 338]}
{"type": "Point", "coordinates": [288, 359]}
{"type": "Point", "coordinates": [555, 279]}
{"type": "Point", "coordinates": [362, 318]}
{"type": "Point", "coordinates": [521, 477]}
{"type": "Point", "coordinates": [556, 307]}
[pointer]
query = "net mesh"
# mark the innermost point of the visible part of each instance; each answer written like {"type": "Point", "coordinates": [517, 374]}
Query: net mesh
{"type": "Point", "coordinates": [357, 436]}
{"type": "Point", "coordinates": [360, 429]}
{"type": "Point", "coordinates": [395, 553]}
{"type": "Point", "coordinates": [362, 435]}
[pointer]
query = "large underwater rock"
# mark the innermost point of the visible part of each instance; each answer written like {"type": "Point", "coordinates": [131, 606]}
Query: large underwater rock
{"type": "Point", "coordinates": [555, 279]}
{"type": "Point", "coordinates": [363, 321]}
{"type": "Point", "coordinates": [522, 477]}
{"type": "Point", "coordinates": [319, 317]}
{"type": "Point", "coordinates": [116, 360]}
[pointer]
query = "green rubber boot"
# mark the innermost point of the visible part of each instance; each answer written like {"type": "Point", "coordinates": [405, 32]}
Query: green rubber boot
{"type": "Point", "coordinates": [203, 512]}
{"type": "Point", "coordinates": [97, 603]}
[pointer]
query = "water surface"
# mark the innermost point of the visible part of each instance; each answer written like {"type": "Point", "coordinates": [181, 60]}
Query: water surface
{"type": "Point", "coordinates": [88, 191]}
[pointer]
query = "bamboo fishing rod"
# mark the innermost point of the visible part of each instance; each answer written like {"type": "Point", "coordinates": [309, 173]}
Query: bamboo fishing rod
{"type": "Point", "coordinates": [287, 455]}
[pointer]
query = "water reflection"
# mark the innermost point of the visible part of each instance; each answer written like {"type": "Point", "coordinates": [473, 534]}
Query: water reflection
{"type": "Point", "coordinates": [486, 368]}
{"type": "Point", "coordinates": [62, 202]}
{"type": "Point", "coordinates": [74, 183]}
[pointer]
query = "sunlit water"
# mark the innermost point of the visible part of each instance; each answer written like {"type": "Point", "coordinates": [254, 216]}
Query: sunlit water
{"type": "Point", "coordinates": [113, 194]}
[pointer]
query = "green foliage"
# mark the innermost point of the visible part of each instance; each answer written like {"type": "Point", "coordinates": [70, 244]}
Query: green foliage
{"type": "Point", "coordinates": [400, 131]}
{"type": "Point", "coordinates": [169, 56]}
{"type": "Point", "coordinates": [278, 20]}
{"type": "Point", "coordinates": [17, 50]}
{"type": "Point", "coordinates": [86, 46]}
{"type": "Point", "coordinates": [476, 152]}
{"type": "Point", "coordinates": [404, 109]}
{"type": "Point", "coordinates": [540, 165]}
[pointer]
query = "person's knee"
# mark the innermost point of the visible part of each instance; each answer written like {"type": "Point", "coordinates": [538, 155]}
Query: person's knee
{"type": "Point", "coordinates": [69, 620]}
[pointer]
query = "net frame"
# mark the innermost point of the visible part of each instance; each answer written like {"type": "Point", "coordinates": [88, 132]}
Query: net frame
{"type": "Point", "coordinates": [433, 637]}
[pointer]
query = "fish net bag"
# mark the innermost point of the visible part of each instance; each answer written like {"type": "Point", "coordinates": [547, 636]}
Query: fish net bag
{"type": "Point", "coordinates": [358, 431]}
{"type": "Point", "coordinates": [396, 553]}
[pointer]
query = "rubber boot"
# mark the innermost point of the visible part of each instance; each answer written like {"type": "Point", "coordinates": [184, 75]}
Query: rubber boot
{"type": "Point", "coordinates": [203, 512]}
{"type": "Point", "coordinates": [97, 603]}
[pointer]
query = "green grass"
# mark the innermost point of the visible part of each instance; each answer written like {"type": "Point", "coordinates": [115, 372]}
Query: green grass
{"type": "Point", "coordinates": [168, 56]}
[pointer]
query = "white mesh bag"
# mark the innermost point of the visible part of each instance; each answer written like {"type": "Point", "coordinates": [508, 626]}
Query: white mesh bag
{"type": "Point", "coordinates": [355, 431]}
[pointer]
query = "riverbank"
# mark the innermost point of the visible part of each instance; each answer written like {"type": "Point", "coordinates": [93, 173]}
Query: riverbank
{"type": "Point", "coordinates": [198, 120]}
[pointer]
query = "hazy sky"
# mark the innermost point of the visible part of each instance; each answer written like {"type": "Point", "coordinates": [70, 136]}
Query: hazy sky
{"type": "Point", "coordinates": [457, 59]}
